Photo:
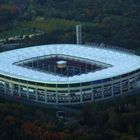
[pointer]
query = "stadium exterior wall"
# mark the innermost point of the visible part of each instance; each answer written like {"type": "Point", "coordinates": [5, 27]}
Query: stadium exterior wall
{"type": "Point", "coordinates": [67, 94]}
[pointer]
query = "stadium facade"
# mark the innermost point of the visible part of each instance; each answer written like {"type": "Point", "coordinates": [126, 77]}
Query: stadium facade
{"type": "Point", "coordinates": [65, 74]}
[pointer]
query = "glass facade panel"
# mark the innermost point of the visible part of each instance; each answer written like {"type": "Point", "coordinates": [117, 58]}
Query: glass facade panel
{"type": "Point", "coordinates": [41, 95]}
{"type": "Point", "coordinates": [97, 82]}
{"type": "Point", "coordinates": [132, 83]}
{"type": "Point", "coordinates": [106, 80]}
{"type": "Point", "coordinates": [2, 76]}
{"type": "Point", "coordinates": [51, 92]}
{"type": "Point", "coordinates": [133, 72]}
{"type": "Point", "coordinates": [63, 99]}
{"type": "Point", "coordinates": [32, 93]}
{"type": "Point", "coordinates": [116, 88]}
{"type": "Point", "coordinates": [97, 92]}
{"type": "Point", "coordinates": [22, 81]}
{"type": "Point", "coordinates": [23, 91]}
{"type": "Point", "coordinates": [125, 86]}
{"type": "Point", "coordinates": [138, 70]}
{"type": "Point", "coordinates": [16, 80]}
{"type": "Point", "coordinates": [8, 89]}
{"type": "Point", "coordinates": [74, 85]}
{"type": "Point", "coordinates": [86, 84]}
{"type": "Point", "coordinates": [80, 94]}
{"type": "Point", "coordinates": [51, 96]}
{"type": "Point", "coordinates": [50, 85]}
{"type": "Point", "coordinates": [86, 94]}
{"type": "Point", "coordinates": [15, 90]}
{"type": "Point", "coordinates": [62, 85]}
{"type": "Point", "coordinates": [75, 96]}
{"type": "Point", "coordinates": [107, 91]}
{"type": "Point", "coordinates": [63, 96]}
{"type": "Point", "coordinates": [124, 75]}
{"type": "Point", "coordinates": [2, 86]}
{"type": "Point", "coordinates": [7, 77]}
{"type": "Point", "coordinates": [116, 78]}
{"type": "Point", "coordinates": [31, 83]}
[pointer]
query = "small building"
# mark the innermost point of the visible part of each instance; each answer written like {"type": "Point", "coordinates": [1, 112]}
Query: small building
{"type": "Point", "coordinates": [60, 114]}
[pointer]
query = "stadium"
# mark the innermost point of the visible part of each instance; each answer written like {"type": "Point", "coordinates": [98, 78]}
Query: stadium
{"type": "Point", "coordinates": [66, 74]}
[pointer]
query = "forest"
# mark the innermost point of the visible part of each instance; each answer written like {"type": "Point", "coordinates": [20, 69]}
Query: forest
{"type": "Point", "coordinates": [117, 119]}
{"type": "Point", "coordinates": [114, 22]}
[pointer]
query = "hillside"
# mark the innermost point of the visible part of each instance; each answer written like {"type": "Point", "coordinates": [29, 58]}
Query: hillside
{"type": "Point", "coordinates": [111, 21]}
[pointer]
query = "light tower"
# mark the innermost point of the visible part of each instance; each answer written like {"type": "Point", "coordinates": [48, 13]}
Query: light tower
{"type": "Point", "coordinates": [79, 34]}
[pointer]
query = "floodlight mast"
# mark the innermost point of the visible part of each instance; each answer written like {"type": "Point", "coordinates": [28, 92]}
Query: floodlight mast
{"type": "Point", "coordinates": [79, 34]}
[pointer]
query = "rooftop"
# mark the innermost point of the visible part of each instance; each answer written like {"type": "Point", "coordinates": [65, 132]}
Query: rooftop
{"type": "Point", "coordinates": [121, 62]}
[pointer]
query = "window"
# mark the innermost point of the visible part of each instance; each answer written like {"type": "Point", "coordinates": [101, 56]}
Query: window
{"type": "Point", "coordinates": [75, 85]}
{"type": "Point", "coordinates": [138, 70]}
{"type": "Point", "coordinates": [7, 77]}
{"type": "Point", "coordinates": [51, 99]}
{"type": "Point", "coordinates": [22, 81]}
{"type": "Point", "coordinates": [31, 83]}
{"type": "Point", "coordinates": [107, 90]}
{"type": "Point", "coordinates": [41, 84]}
{"type": "Point", "coordinates": [62, 85]}
{"type": "Point", "coordinates": [2, 82]}
{"type": "Point", "coordinates": [2, 76]}
{"type": "Point", "coordinates": [16, 80]}
{"type": "Point", "coordinates": [86, 89]}
{"type": "Point", "coordinates": [31, 90]}
{"type": "Point", "coordinates": [125, 85]}
{"type": "Point", "coordinates": [86, 84]}
{"type": "Point", "coordinates": [86, 94]}
{"type": "Point", "coordinates": [131, 73]}
{"type": "Point", "coordinates": [51, 92]}
{"type": "Point", "coordinates": [23, 90]}
{"type": "Point", "coordinates": [116, 78]}
{"type": "Point", "coordinates": [15, 90]}
{"type": "Point", "coordinates": [116, 88]}
{"type": "Point", "coordinates": [97, 92]}
{"type": "Point", "coordinates": [41, 95]}
{"type": "Point", "coordinates": [132, 83]}
{"type": "Point", "coordinates": [106, 80]}
{"type": "Point", "coordinates": [2, 86]}
{"type": "Point", "coordinates": [124, 75]}
{"type": "Point", "coordinates": [97, 82]}
{"type": "Point", "coordinates": [75, 96]}
{"type": "Point", "coordinates": [63, 93]}
{"type": "Point", "coordinates": [40, 91]}
{"type": "Point", "coordinates": [50, 85]}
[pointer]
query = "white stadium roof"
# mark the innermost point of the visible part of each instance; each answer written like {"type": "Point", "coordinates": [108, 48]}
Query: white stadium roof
{"type": "Point", "coordinates": [121, 62]}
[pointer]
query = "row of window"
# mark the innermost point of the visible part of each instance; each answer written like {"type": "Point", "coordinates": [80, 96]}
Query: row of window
{"type": "Point", "coordinates": [70, 85]}
{"type": "Point", "coordinates": [50, 92]}
{"type": "Point", "coordinates": [64, 96]}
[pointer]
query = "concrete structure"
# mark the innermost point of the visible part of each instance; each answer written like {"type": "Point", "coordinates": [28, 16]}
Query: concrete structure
{"type": "Point", "coordinates": [79, 34]}
{"type": "Point", "coordinates": [100, 73]}
{"type": "Point", "coordinates": [61, 64]}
